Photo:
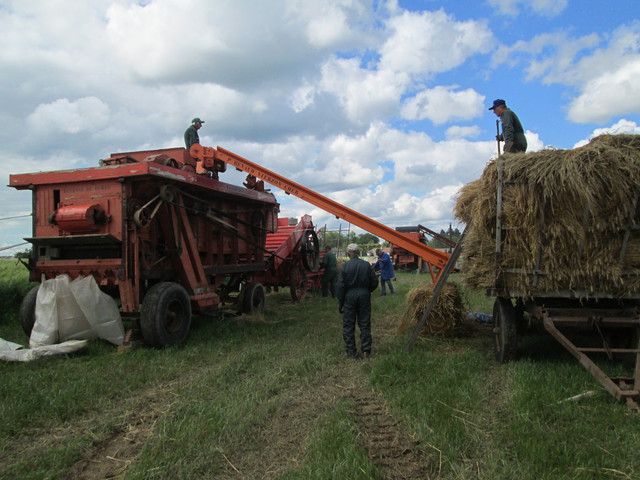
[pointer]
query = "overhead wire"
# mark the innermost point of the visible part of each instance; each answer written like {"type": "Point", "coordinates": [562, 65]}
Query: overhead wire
{"type": "Point", "coordinates": [17, 216]}
{"type": "Point", "coordinates": [17, 244]}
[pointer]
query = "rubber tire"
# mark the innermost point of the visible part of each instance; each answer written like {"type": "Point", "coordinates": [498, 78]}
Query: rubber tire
{"type": "Point", "coordinates": [504, 331]}
{"type": "Point", "coordinates": [165, 317]}
{"type": "Point", "coordinates": [254, 298]}
{"type": "Point", "coordinates": [28, 310]}
{"type": "Point", "coordinates": [521, 323]}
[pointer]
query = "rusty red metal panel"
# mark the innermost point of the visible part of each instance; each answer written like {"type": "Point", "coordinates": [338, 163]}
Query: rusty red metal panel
{"type": "Point", "coordinates": [114, 222]}
{"type": "Point", "coordinates": [180, 154]}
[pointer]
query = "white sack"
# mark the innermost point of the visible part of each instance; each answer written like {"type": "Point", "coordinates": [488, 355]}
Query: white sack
{"type": "Point", "coordinates": [72, 323]}
{"type": "Point", "coordinates": [99, 309]}
{"type": "Point", "coordinates": [75, 310]}
{"type": "Point", "coordinates": [13, 352]}
{"type": "Point", "coordinates": [7, 346]}
{"type": "Point", "coordinates": [45, 327]}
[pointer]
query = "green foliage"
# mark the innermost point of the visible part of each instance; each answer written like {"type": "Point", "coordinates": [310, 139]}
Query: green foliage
{"type": "Point", "coordinates": [14, 283]}
{"type": "Point", "coordinates": [336, 239]}
{"type": "Point", "coordinates": [452, 234]}
{"type": "Point", "coordinates": [23, 254]}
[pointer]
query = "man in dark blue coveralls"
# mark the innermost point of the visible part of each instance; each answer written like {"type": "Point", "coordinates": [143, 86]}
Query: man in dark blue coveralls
{"type": "Point", "coordinates": [355, 283]}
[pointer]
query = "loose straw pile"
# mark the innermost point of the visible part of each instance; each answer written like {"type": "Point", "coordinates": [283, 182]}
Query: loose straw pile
{"type": "Point", "coordinates": [446, 316]}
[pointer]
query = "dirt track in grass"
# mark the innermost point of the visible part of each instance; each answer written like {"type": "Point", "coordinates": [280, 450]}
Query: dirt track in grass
{"type": "Point", "coordinates": [379, 433]}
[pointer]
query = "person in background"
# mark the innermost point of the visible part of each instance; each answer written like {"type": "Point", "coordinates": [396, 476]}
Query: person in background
{"type": "Point", "coordinates": [512, 131]}
{"type": "Point", "coordinates": [330, 265]}
{"type": "Point", "coordinates": [191, 133]}
{"type": "Point", "coordinates": [356, 281]}
{"type": "Point", "coordinates": [385, 266]}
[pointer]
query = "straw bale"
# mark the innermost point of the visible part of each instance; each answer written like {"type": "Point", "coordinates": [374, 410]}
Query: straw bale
{"type": "Point", "coordinates": [445, 317]}
{"type": "Point", "coordinates": [565, 213]}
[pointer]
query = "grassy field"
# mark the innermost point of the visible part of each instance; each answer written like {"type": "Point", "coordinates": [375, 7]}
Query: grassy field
{"type": "Point", "coordinates": [274, 398]}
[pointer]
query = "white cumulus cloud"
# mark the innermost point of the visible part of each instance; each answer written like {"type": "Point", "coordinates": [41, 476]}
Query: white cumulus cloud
{"type": "Point", "coordinates": [364, 94]}
{"type": "Point", "coordinates": [84, 114]}
{"type": "Point", "coordinates": [612, 93]}
{"type": "Point", "coordinates": [622, 126]}
{"type": "Point", "coordinates": [430, 42]}
{"type": "Point", "coordinates": [444, 104]}
{"type": "Point", "coordinates": [540, 7]}
{"type": "Point", "coordinates": [457, 131]}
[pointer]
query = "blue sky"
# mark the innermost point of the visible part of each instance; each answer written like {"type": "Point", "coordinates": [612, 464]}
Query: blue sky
{"type": "Point", "coordinates": [378, 104]}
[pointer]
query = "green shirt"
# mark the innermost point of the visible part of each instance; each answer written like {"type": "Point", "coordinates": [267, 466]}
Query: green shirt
{"type": "Point", "coordinates": [512, 132]}
{"type": "Point", "coordinates": [329, 263]}
{"type": "Point", "coordinates": [191, 136]}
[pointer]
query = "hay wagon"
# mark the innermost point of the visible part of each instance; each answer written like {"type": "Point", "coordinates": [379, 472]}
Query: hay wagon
{"type": "Point", "coordinates": [559, 245]}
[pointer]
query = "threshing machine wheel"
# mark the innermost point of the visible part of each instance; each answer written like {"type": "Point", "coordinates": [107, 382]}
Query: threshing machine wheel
{"type": "Point", "coordinates": [310, 250]}
{"type": "Point", "coordinates": [504, 330]}
{"type": "Point", "coordinates": [298, 284]}
{"type": "Point", "coordinates": [254, 298]}
{"type": "Point", "coordinates": [28, 310]}
{"type": "Point", "coordinates": [165, 316]}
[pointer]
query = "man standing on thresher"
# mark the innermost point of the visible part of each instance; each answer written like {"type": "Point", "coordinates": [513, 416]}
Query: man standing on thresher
{"type": "Point", "coordinates": [330, 265]}
{"type": "Point", "coordinates": [356, 281]}
{"type": "Point", "coordinates": [191, 133]}
{"type": "Point", "coordinates": [512, 131]}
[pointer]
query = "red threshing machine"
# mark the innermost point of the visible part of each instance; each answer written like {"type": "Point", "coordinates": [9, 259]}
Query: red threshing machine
{"type": "Point", "coordinates": [163, 239]}
{"type": "Point", "coordinates": [404, 259]}
{"type": "Point", "coordinates": [159, 232]}
{"type": "Point", "coordinates": [293, 258]}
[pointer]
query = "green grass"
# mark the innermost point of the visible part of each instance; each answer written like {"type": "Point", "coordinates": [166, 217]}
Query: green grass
{"type": "Point", "coordinates": [272, 397]}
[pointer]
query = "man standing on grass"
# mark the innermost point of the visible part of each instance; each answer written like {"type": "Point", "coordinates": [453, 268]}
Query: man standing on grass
{"type": "Point", "coordinates": [356, 281]}
{"type": "Point", "coordinates": [330, 265]}
{"type": "Point", "coordinates": [385, 266]}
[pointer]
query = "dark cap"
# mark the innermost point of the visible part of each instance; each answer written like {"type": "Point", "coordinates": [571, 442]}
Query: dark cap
{"type": "Point", "coordinates": [497, 102]}
{"type": "Point", "coordinates": [197, 120]}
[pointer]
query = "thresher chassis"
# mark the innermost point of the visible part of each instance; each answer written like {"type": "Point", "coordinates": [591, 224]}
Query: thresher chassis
{"type": "Point", "coordinates": [565, 314]}
{"type": "Point", "coordinates": [168, 240]}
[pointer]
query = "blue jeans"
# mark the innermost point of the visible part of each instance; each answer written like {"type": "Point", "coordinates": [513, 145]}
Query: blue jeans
{"type": "Point", "coordinates": [383, 286]}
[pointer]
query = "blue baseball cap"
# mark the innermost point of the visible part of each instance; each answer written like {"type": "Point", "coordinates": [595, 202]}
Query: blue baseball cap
{"type": "Point", "coordinates": [197, 120]}
{"type": "Point", "coordinates": [497, 102]}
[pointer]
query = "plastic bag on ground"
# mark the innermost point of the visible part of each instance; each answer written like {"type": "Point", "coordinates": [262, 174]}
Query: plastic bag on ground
{"type": "Point", "coordinates": [75, 310]}
{"type": "Point", "coordinates": [99, 309]}
{"type": "Point", "coordinates": [45, 328]}
{"type": "Point", "coordinates": [72, 322]}
{"type": "Point", "coordinates": [14, 352]}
